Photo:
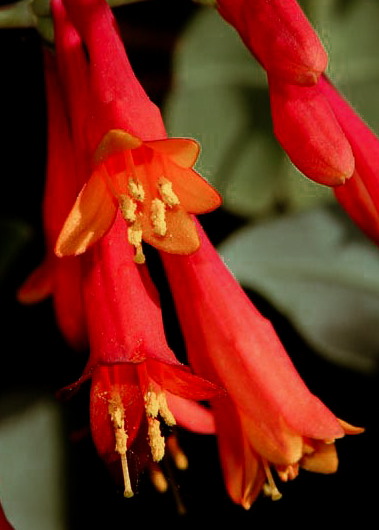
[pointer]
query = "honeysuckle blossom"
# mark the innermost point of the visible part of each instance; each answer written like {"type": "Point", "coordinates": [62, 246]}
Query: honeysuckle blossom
{"type": "Point", "coordinates": [136, 169]}
{"type": "Point", "coordinates": [134, 373]}
{"type": "Point", "coordinates": [135, 378]}
{"type": "Point", "coordinates": [283, 41]}
{"type": "Point", "coordinates": [360, 194]}
{"type": "Point", "coordinates": [279, 35]}
{"type": "Point", "coordinates": [58, 277]}
{"type": "Point", "coordinates": [269, 418]}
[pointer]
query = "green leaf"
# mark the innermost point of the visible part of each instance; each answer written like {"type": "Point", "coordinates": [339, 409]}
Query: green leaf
{"type": "Point", "coordinates": [349, 31]}
{"type": "Point", "coordinates": [32, 478]}
{"type": "Point", "coordinates": [321, 273]}
{"type": "Point", "coordinates": [220, 98]}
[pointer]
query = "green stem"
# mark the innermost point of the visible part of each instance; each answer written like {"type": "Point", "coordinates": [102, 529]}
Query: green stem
{"type": "Point", "coordinates": [19, 15]}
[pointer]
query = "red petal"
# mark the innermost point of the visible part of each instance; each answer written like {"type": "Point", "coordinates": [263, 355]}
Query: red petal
{"type": "Point", "coordinates": [39, 284]}
{"type": "Point", "coordinates": [309, 132]}
{"type": "Point", "coordinates": [180, 381]}
{"type": "Point", "coordinates": [280, 36]}
{"type": "Point", "coordinates": [191, 415]}
{"type": "Point", "coordinates": [243, 473]}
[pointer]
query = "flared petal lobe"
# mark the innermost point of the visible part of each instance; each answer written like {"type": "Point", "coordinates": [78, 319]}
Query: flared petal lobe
{"type": "Point", "coordinates": [153, 185]}
{"type": "Point", "coordinates": [279, 35]}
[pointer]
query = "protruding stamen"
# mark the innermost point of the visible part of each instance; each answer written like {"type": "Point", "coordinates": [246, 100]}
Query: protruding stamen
{"type": "Point", "coordinates": [158, 479]}
{"type": "Point", "coordinates": [128, 208]}
{"type": "Point", "coordinates": [116, 412]}
{"type": "Point", "coordinates": [166, 192]}
{"type": "Point", "coordinates": [156, 404]}
{"type": "Point", "coordinates": [270, 488]}
{"type": "Point", "coordinates": [156, 440]}
{"type": "Point", "coordinates": [135, 239]}
{"type": "Point", "coordinates": [180, 459]}
{"type": "Point", "coordinates": [151, 404]}
{"type": "Point", "coordinates": [164, 411]}
{"type": "Point", "coordinates": [136, 190]}
{"type": "Point", "coordinates": [158, 217]}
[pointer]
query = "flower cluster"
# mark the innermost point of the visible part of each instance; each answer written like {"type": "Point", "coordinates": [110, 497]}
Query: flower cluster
{"type": "Point", "coordinates": [321, 133]}
{"type": "Point", "coordinates": [116, 182]}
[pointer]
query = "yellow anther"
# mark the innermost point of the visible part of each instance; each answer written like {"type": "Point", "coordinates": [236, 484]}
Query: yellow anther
{"type": "Point", "coordinates": [270, 488]}
{"type": "Point", "coordinates": [180, 459]}
{"type": "Point", "coordinates": [156, 404]}
{"type": "Point", "coordinates": [116, 412]}
{"type": "Point", "coordinates": [167, 194]}
{"type": "Point", "coordinates": [164, 411]}
{"type": "Point", "coordinates": [128, 208]}
{"type": "Point", "coordinates": [158, 217]}
{"type": "Point", "coordinates": [136, 190]}
{"type": "Point", "coordinates": [151, 404]}
{"type": "Point", "coordinates": [135, 239]}
{"type": "Point", "coordinates": [156, 440]}
{"type": "Point", "coordinates": [158, 479]}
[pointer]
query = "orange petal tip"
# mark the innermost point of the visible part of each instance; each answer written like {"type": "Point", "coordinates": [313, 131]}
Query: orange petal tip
{"type": "Point", "coordinates": [115, 141]}
{"type": "Point", "coordinates": [91, 216]}
{"type": "Point", "coordinates": [182, 151]}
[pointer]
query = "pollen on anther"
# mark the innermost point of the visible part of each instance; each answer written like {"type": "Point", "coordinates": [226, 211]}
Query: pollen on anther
{"type": "Point", "coordinates": [136, 190]}
{"type": "Point", "coordinates": [164, 411]}
{"type": "Point", "coordinates": [167, 194]}
{"type": "Point", "coordinates": [156, 440]}
{"type": "Point", "coordinates": [128, 208]}
{"type": "Point", "coordinates": [158, 217]}
{"type": "Point", "coordinates": [135, 239]}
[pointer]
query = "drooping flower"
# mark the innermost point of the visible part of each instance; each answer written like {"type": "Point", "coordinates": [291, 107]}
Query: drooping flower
{"type": "Point", "coordinates": [360, 194]}
{"type": "Point", "coordinates": [60, 278]}
{"type": "Point", "coordinates": [135, 377]}
{"type": "Point", "coordinates": [134, 373]}
{"type": "Point", "coordinates": [136, 169]}
{"type": "Point", "coordinates": [283, 41]}
{"type": "Point", "coordinates": [269, 418]}
{"type": "Point", "coordinates": [279, 35]}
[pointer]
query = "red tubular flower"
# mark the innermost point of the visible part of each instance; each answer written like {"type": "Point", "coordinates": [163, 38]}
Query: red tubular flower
{"type": "Point", "coordinates": [360, 195]}
{"type": "Point", "coordinates": [134, 373]}
{"type": "Point", "coordinates": [279, 35]}
{"type": "Point", "coordinates": [136, 169]}
{"type": "Point", "coordinates": [59, 277]}
{"type": "Point", "coordinates": [269, 417]}
{"type": "Point", "coordinates": [307, 129]}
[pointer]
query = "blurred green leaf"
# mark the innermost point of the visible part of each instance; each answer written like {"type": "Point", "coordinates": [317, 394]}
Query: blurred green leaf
{"type": "Point", "coordinates": [220, 98]}
{"type": "Point", "coordinates": [349, 30]}
{"type": "Point", "coordinates": [31, 469]}
{"type": "Point", "coordinates": [321, 273]}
